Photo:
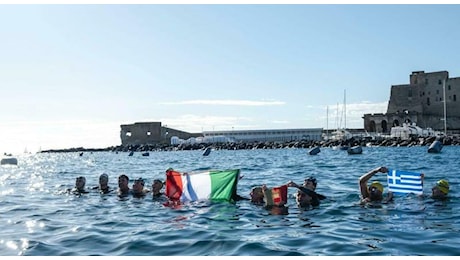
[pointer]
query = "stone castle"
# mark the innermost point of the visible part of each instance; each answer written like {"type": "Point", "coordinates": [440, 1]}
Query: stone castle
{"type": "Point", "coordinates": [420, 102]}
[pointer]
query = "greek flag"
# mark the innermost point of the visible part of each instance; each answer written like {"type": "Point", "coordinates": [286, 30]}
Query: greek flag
{"type": "Point", "coordinates": [401, 182]}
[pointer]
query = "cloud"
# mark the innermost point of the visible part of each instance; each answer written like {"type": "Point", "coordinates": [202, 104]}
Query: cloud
{"type": "Point", "coordinates": [226, 103]}
{"type": "Point", "coordinates": [195, 123]}
{"type": "Point", "coordinates": [280, 122]}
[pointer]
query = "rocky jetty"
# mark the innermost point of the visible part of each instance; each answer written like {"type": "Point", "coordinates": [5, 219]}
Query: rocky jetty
{"type": "Point", "coordinates": [397, 142]}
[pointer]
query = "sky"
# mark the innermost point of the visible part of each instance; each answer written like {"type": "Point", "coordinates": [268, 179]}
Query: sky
{"type": "Point", "coordinates": [70, 75]}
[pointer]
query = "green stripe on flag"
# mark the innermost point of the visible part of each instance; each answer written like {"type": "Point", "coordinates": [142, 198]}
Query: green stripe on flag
{"type": "Point", "coordinates": [223, 184]}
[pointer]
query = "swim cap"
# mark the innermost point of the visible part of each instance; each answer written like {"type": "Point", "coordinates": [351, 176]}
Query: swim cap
{"type": "Point", "coordinates": [443, 186]}
{"type": "Point", "coordinates": [377, 185]}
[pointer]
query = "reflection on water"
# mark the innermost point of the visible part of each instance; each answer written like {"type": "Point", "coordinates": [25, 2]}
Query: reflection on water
{"type": "Point", "coordinates": [39, 218]}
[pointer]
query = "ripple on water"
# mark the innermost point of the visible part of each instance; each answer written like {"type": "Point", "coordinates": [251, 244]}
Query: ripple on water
{"type": "Point", "coordinates": [40, 220]}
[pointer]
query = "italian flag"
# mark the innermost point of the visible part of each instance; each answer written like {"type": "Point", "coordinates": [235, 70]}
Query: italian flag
{"type": "Point", "coordinates": [209, 185]}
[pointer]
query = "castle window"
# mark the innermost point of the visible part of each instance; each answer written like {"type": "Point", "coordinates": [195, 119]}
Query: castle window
{"type": "Point", "coordinates": [415, 81]}
{"type": "Point", "coordinates": [455, 97]}
{"type": "Point", "coordinates": [439, 82]}
{"type": "Point", "coordinates": [384, 126]}
{"type": "Point", "coordinates": [428, 101]}
{"type": "Point", "coordinates": [448, 87]}
{"type": "Point", "coordinates": [410, 93]}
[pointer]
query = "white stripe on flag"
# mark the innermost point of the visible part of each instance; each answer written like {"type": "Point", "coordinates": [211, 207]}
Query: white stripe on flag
{"type": "Point", "coordinates": [196, 186]}
{"type": "Point", "coordinates": [405, 182]}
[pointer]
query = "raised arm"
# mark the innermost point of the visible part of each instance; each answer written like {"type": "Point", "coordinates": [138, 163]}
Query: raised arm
{"type": "Point", "coordinates": [314, 196]}
{"type": "Point", "coordinates": [366, 177]}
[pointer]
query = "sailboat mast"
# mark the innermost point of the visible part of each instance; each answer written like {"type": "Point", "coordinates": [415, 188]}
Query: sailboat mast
{"type": "Point", "coordinates": [345, 107]}
{"type": "Point", "coordinates": [337, 118]}
{"type": "Point", "coordinates": [445, 101]}
{"type": "Point", "coordinates": [327, 123]}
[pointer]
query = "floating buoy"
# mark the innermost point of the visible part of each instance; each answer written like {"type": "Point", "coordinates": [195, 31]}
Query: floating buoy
{"type": "Point", "coordinates": [314, 151]}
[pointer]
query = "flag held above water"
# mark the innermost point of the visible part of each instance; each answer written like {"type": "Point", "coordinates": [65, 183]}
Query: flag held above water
{"type": "Point", "coordinates": [403, 182]}
{"type": "Point", "coordinates": [205, 185]}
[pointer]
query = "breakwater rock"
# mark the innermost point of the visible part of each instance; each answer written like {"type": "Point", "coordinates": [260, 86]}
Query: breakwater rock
{"type": "Point", "coordinates": [414, 141]}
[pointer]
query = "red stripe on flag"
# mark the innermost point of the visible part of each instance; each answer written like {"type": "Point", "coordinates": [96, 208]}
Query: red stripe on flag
{"type": "Point", "coordinates": [173, 185]}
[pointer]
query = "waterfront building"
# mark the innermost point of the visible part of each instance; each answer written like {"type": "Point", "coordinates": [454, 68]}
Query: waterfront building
{"type": "Point", "coordinates": [268, 135]}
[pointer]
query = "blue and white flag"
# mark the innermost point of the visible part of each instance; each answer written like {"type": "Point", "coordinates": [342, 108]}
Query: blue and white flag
{"type": "Point", "coordinates": [405, 182]}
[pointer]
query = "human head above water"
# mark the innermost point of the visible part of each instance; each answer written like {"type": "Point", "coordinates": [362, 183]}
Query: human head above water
{"type": "Point", "coordinates": [103, 178]}
{"type": "Point", "coordinates": [157, 185]}
{"type": "Point", "coordinates": [377, 185]}
{"type": "Point", "coordinates": [80, 182]}
{"type": "Point", "coordinates": [138, 186]}
{"type": "Point", "coordinates": [302, 199]}
{"type": "Point", "coordinates": [123, 181]}
{"type": "Point", "coordinates": [443, 186]}
{"type": "Point", "coordinates": [441, 189]}
{"type": "Point", "coordinates": [140, 181]}
{"type": "Point", "coordinates": [257, 195]}
{"type": "Point", "coordinates": [310, 182]}
{"type": "Point", "coordinates": [375, 191]}
{"type": "Point", "coordinates": [123, 176]}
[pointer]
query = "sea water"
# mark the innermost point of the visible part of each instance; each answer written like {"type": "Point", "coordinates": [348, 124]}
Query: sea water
{"type": "Point", "coordinates": [38, 218]}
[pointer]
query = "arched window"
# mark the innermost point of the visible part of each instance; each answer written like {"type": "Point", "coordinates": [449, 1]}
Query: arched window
{"type": "Point", "coordinates": [372, 126]}
{"type": "Point", "coordinates": [384, 126]}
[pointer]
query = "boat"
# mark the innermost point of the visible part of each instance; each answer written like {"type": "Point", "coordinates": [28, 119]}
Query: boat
{"type": "Point", "coordinates": [435, 147]}
{"type": "Point", "coordinates": [9, 160]}
{"type": "Point", "coordinates": [409, 130]}
{"type": "Point", "coordinates": [131, 153]}
{"type": "Point", "coordinates": [357, 149]}
{"type": "Point", "coordinates": [145, 154]}
{"type": "Point", "coordinates": [314, 151]}
{"type": "Point", "coordinates": [207, 151]}
{"type": "Point", "coordinates": [341, 135]}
